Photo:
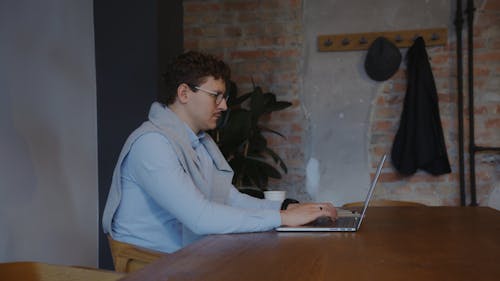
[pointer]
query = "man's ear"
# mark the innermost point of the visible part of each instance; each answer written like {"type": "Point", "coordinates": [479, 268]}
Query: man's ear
{"type": "Point", "coordinates": [183, 93]}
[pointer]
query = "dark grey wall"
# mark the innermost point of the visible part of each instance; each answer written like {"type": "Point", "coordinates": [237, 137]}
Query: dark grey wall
{"type": "Point", "coordinates": [48, 132]}
{"type": "Point", "coordinates": [133, 39]}
{"type": "Point", "coordinates": [49, 115]}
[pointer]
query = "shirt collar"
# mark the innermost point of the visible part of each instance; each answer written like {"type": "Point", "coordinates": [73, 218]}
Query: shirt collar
{"type": "Point", "coordinates": [193, 138]}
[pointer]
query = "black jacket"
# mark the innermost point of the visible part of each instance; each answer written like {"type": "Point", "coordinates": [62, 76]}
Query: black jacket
{"type": "Point", "coordinates": [419, 142]}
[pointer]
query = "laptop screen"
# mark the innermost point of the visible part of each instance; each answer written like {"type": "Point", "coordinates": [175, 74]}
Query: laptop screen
{"type": "Point", "coordinates": [372, 187]}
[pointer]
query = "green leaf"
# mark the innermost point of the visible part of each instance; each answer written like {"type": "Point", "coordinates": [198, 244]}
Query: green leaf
{"type": "Point", "coordinates": [258, 142]}
{"type": "Point", "coordinates": [257, 105]}
{"type": "Point", "coordinates": [277, 159]}
{"type": "Point", "coordinates": [242, 142]}
{"type": "Point", "coordinates": [252, 192]}
{"type": "Point", "coordinates": [264, 167]}
{"type": "Point", "coordinates": [264, 178]}
{"type": "Point", "coordinates": [266, 129]}
{"type": "Point", "coordinates": [232, 92]}
{"type": "Point", "coordinates": [269, 99]}
{"type": "Point", "coordinates": [279, 105]}
{"type": "Point", "coordinates": [239, 100]}
{"type": "Point", "coordinates": [253, 173]}
{"type": "Point", "coordinates": [237, 128]}
{"type": "Point", "coordinates": [269, 170]}
{"type": "Point", "coordinates": [236, 163]}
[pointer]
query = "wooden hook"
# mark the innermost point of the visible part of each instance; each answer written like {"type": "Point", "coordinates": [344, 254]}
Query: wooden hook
{"type": "Point", "coordinates": [328, 43]}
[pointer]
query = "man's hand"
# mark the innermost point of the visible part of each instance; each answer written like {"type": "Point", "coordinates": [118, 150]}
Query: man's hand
{"type": "Point", "coordinates": [299, 214]}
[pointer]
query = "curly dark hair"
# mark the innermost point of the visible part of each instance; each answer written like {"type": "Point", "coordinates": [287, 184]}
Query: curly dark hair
{"type": "Point", "coordinates": [192, 68]}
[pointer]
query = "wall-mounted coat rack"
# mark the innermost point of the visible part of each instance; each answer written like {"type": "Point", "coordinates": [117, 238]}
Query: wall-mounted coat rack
{"type": "Point", "coordinates": [362, 41]}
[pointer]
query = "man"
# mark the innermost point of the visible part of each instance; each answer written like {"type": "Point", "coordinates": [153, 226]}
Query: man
{"type": "Point", "coordinates": [172, 185]}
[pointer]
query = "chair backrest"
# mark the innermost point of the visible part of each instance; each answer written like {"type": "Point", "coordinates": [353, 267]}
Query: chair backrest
{"type": "Point", "coordinates": [129, 258]}
{"type": "Point", "coordinates": [35, 271]}
{"type": "Point", "coordinates": [384, 203]}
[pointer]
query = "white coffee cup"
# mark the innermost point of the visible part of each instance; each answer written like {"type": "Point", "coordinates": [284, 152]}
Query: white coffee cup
{"type": "Point", "coordinates": [275, 195]}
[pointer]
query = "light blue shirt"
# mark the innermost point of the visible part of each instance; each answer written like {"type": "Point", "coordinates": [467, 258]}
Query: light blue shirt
{"type": "Point", "coordinates": [159, 198]}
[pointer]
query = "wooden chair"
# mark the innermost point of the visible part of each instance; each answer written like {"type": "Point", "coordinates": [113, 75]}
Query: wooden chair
{"type": "Point", "coordinates": [129, 258]}
{"type": "Point", "coordinates": [35, 271]}
{"type": "Point", "coordinates": [383, 203]}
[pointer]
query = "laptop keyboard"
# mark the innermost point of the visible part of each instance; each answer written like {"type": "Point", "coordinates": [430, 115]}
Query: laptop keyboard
{"type": "Point", "coordinates": [346, 222]}
{"type": "Point", "coordinates": [339, 222]}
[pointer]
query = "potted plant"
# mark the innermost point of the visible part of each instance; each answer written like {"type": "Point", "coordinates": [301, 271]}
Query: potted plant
{"type": "Point", "coordinates": [241, 140]}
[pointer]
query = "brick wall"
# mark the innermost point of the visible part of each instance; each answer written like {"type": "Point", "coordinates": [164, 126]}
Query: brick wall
{"type": "Point", "coordinates": [386, 110]}
{"type": "Point", "coordinates": [263, 40]}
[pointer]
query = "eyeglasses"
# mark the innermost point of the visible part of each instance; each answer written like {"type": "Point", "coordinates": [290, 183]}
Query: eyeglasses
{"type": "Point", "coordinates": [218, 96]}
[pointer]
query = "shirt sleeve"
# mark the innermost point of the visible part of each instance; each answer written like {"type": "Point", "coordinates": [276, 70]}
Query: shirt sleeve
{"type": "Point", "coordinates": [155, 167]}
{"type": "Point", "coordinates": [241, 200]}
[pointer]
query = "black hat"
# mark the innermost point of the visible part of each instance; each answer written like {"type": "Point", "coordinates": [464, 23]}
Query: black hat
{"type": "Point", "coordinates": [382, 60]}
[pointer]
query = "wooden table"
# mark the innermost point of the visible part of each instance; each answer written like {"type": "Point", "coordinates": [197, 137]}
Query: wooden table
{"type": "Point", "coordinates": [394, 243]}
{"type": "Point", "coordinates": [37, 271]}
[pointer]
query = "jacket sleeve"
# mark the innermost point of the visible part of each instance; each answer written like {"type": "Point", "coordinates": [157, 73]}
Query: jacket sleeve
{"type": "Point", "coordinates": [238, 199]}
{"type": "Point", "coordinates": [156, 168]}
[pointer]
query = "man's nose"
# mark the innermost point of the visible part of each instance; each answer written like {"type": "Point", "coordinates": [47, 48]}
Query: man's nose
{"type": "Point", "coordinates": [223, 105]}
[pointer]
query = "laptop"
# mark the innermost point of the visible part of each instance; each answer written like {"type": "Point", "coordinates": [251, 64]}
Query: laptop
{"type": "Point", "coordinates": [344, 223]}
